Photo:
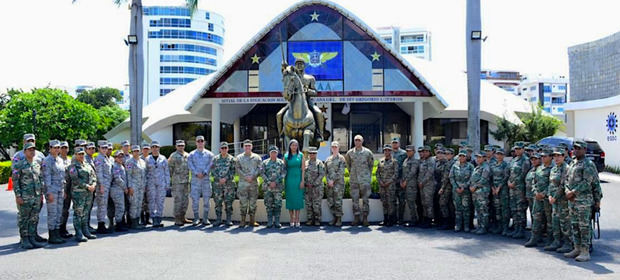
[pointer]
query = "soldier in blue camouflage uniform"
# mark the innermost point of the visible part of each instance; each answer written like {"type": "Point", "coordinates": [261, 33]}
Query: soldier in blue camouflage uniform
{"type": "Point", "coordinates": [200, 161]}
{"type": "Point", "coordinates": [499, 191]}
{"type": "Point", "coordinates": [560, 221]}
{"type": "Point", "coordinates": [145, 213]}
{"type": "Point", "coordinates": [126, 147]}
{"type": "Point", "coordinates": [360, 162]}
{"type": "Point", "coordinates": [179, 183]}
{"type": "Point", "coordinates": [224, 187]}
{"type": "Point", "coordinates": [399, 155]}
{"type": "Point", "coordinates": [53, 170]}
{"type": "Point", "coordinates": [387, 177]}
{"type": "Point", "coordinates": [273, 173]}
{"type": "Point", "coordinates": [516, 184]}
{"type": "Point", "coordinates": [426, 184]}
{"type": "Point", "coordinates": [103, 168]}
{"type": "Point", "coordinates": [66, 161]}
{"type": "Point", "coordinates": [459, 178]}
{"type": "Point", "coordinates": [157, 183]}
{"type": "Point", "coordinates": [248, 166]}
{"type": "Point", "coordinates": [334, 175]}
{"type": "Point", "coordinates": [541, 223]}
{"type": "Point", "coordinates": [28, 191]}
{"type": "Point", "coordinates": [446, 204]}
{"type": "Point", "coordinates": [409, 182]}
{"type": "Point", "coordinates": [118, 189]}
{"type": "Point", "coordinates": [581, 177]}
{"type": "Point", "coordinates": [83, 184]}
{"type": "Point", "coordinates": [314, 174]}
{"type": "Point", "coordinates": [479, 186]}
{"type": "Point", "coordinates": [136, 185]}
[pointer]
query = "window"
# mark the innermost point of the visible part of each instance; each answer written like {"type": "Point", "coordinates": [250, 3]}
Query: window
{"type": "Point", "coordinates": [387, 40]}
{"type": "Point", "coordinates": [184, 70]}
{"type": "Point", "coordinates": [175, 81]}
{"type": "Point", "coordinates": [547, 99]}
{"type": "Point", "coordinates": [546, 89]}
{"type": "Point", "coordinates": [188, 48]}
{"type": "Point", "coordinates": [186, 34]}
{"type": "Point", "coordinates": [166, 11]}
{"type": "Point", "coordinates": [562, 87]}
{"type": "Point", "coordinates": [533, 99]}
{"type": "Point", "coordinates": [210, 26]}
{"type": "Point", "coordinates": [533, 88]}
{"type": "Point", "coordinates": [165, 91]}
{"type": "Point", "coordinates": [411, 49]}
{"type": "Point", "coordinates": [171, 22]}
{"type": "Point", "coordinates": [207, 15]}
{"type": "Point", "coordinates": [411, 38]}
{"type": "Point", "coordinates": [187, 58]}
{"type": "Point", "coordinates": [557, 100]}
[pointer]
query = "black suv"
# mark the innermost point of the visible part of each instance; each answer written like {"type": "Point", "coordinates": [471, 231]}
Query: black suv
{"type": "Point", "coordinates": [593, 152]}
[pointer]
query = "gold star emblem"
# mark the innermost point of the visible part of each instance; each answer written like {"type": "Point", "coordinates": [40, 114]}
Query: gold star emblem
{"type": "Point", "coordinates": [323, 109]}
{"type": "Point", "coordinates": [375, 56]}
{"type": "Point", "coordinates": [314, 16]}
{"type": "Point", "coordinates": [255, 58]}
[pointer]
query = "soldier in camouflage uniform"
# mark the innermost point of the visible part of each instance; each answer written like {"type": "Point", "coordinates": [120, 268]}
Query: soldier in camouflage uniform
{"type": "Point", "coordinates": [399, 155]}
{"type": "Point", "coordinates": [157, 183]}
{"type": "Point", "coordinates": [426, 184]}
{"type": "Point", "coordinates": [313, 179]}
{"type": "Point", "coordinates": [529, 179]}
{"type": "Point", "coordinates": [409, 182]}
{"type": "Point", "coordinates": [446, 204]}
{"type": "Point", "coordinates": [83, 183]}
{"type": "Point", "coordinates": [459, 178]}
{"type": "Point", "coordinates": [560, 220]}
{"type": "Point", "coordinates": [334, 175]}
{"type": "Point", "coordinates": [541, 209]}
{"type": "Point", "coordinates": [516, 184]}
{"type": "Point", "coordinates": [28, 191]}
{"type": "Point", "coordinates": [145, 213]}
{"type": "Point", "coordinates": [440, 165]}
{"type": "Point", "coordinates": [248, 165]}
{"type": "Point", "coordinates": [581, 177]}
{"type": "Point", "coordinates": [90, 202]}
{"type": "Point", "coordinates": [224, 187]}
{"type": "Point", "coordinates": [53, 170]}
{"type": "Point", "coordinates": [200, 161]}
{"type": "Point", "coordinates": [66, 161]}
{"type": "Point", "coordinates": [273, 173]}
{"type": "Point", "coordinates": [103, 168]}
{"type": "Point", "coordinates": [179, 182]}
{"type": "Point", "coordinates": [360, 162]}
{"type": "Point", "coordinates": [387, 177]}
{"type": "Point", "coordinates": [126, 147]}
{"type": "Point", "coordinates": [480, 187]}
{"type": "Point", "coordinates": [118, 189]}
{"type": "Point", "coordinates": [136, 185]}
{"type": "Point", "coordinates": [499, 191]}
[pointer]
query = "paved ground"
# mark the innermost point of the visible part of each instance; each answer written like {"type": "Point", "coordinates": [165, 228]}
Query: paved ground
{"type": "Point", "coordinates": [373, 253]}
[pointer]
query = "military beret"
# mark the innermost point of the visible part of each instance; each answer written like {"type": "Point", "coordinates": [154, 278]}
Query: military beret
{"type": "Point", "coordinates": [247, 142]}
{"type": "Point", "coordinates": [395, 140]}
{"type": "Point", "coordinates": [79, 150]}
{"type": "Point", "coordinates": [29, 145]}
{"type": "Point", "coordinates": [64, 144]}
{"type": "Point", "coordinates": [358, 137]}
{"type": "Point", "coordinates": [119, 153]}
{"type": "Point", "coordinates": [155, 143]}
{"type": "Point", "coordinates": [135, 147]}
{"type": "Point", "coordinates": [102, 143]}
{"type": "Point", "coordinates": [580, 144]}
{"type": "Point", "coordinates": [275, 149]}
{"type": "Point", "coordinates": [90, 145]}
{"type": "Point", "coordinates": [410, 148]}
{"type": "Point", "coordinates": [125, 143]}
{"type": "Point", "coordinates": [387, 147]}
{"type": "Point", "coordinates": [146, 146]}
{"type": "Point", "coordinates": [223, 144]}
{"type": "Point", "coordinates": [79, 142]}
{"type": "Point", "coordinates": [29, 136]}
{"type": "Point", "coordinates": [335, 144]}
{"type": "Point", "coordinates": [200, 137]}
{"type": "Point", "coordinates": [313, 150]}
{"type": "Point", "coordinates": [54, 143]}
{"type": "Point", "coordinates": [180, 142]}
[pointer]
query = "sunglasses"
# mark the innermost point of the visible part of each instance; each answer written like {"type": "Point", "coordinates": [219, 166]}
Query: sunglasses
{"type": "Point", "coordinates": [357, 140]}
{"type": "Point", "coordinates": [90, 148]}
{"type": "Point", "coordinates": [200, 141]}
{"type": "Point", "coordinates": [224, 148]}
{"type": "Point", "coordinates": [64, 147]}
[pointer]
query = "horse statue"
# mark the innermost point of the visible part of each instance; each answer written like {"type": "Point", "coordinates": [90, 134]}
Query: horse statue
{"type": "Point", "coordinates": [297, 121]}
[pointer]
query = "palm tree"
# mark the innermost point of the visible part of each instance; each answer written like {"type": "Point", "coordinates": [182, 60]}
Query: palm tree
{"type": "Point", "coordinates": [136, 65]}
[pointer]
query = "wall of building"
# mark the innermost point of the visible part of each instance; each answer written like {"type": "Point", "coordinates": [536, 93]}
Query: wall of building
{"type": "Point", "coordinates": [592, 123]}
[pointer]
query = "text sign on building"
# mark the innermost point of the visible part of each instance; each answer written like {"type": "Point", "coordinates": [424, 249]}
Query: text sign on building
{"type": "Point", "coordinates": [611, 124]}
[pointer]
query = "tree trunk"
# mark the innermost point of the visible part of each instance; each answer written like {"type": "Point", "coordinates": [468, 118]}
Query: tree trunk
{"type": "Point", "coordinates": [136, 72]}
{"type": "Point", "coordinates": [473, 74]}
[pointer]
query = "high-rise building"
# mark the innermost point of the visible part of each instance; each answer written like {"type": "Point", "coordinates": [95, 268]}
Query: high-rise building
{"type": "Point", "coordinates": [507, 80]}
{"type": "Point", "coordinates": [549, 92]}
{"type": "Point", "coordinates": [179, 47]}
{"type": "Point", "coordinates": [411, 41]}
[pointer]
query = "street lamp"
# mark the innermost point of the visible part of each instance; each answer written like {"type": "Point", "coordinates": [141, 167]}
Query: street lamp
{"type": "Point", "coordinates": [476, 35]}
{"type": "Point", "coordinates": [132, 39]}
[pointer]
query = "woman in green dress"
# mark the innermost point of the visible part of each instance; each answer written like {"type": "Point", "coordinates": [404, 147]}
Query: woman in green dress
{"type": "Point", "coordinates": [294, 181]}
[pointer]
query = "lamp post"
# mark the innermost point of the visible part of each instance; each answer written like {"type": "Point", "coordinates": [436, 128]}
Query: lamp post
{"type": "Point", "coordinates": [473, 42]}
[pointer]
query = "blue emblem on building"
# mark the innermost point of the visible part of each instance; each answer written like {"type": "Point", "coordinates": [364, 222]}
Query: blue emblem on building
{"type": "Point", "coordinates": [612, 123]}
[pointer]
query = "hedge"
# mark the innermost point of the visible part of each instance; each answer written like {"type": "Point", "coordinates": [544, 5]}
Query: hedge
{"type": "Point", "coordinates": [5, 171]}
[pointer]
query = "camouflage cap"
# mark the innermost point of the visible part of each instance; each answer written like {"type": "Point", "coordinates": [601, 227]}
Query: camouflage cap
{"type": "Point", "coordinates": [29, 145]}
{"type": "Point", "coordinates": [135, 148]}
{"type": "Point", "coordinates": [146, 146]}
{"type": "Point", "coordinates": [200, 137]}
{"type": "Point", "coordinates": [360, 137]}
{"type": "Point", "coordinates": [558, 151]}
{"type": "Point", "coordinates": [535, 156]}
{"type": "Point", "coordinates": [335, 144]}
{"type": "Point", "coordinates": [155, 143]}
{"type": "Point", "coordinates": [396, 140]}
{"type": "Point", "coordinates": [79, 150]}
{"type": "Point", "coordinates": [489, 148]}
{"type": "Point", "coordinates": [438, 145]}
{"type": "Point", "coordinates": [29, 136]}
{"type": "Point", "coordinates": [440, 150]}
{"type": "Point", "coordinates": [179, 143]}
{"type": "Point", "coordinates": [54, 143]}
{"type": "Point", "coordinates": [427, 148]}
{"type": "Point", "coordinates": [79, 142]}
{"type": "Point", "coordinates": [275, 149]}
{"type": "Point", "coordinates": [531, 147]}
{"type": "Point", "coordinates": [223, 144]}
{"type": "Point", "coordinates": [102, 143]}
{"type": "Point", "coordinates": [313, 150]}
{"type": "Point", "coordinates": [247, 142]}
{"type": "Point", "coordinates": [519, 145]}
{"type": "Point", "coordinates": [580, 144]}
{"type": "Point", "coordinates": [449, 151]}
{"type": "Point", "coordinates": [118, 153]}
{"type": "Point", "coordinates": [463, 144]}
{"type": "Point", "coordinates": [420, 149]}
{"type": "Point", "coordinates": [462, 153]}
{"type": "Point", "coordinates": [110, 145]}
{"type": "Point", "coordinates": [90, 145]}
{"type": "Point", "coordinates": [500, 151]}
{"type": "Point", "coordinates": [545, 153]}
{"type": "Point", "coordinates": [410, 148]}
{"type": "Point", "coordinates": [469, 148]}
{"type": "Point", "coordinates": [64, 144]}
{"type": "Point", "coordinates": [387, 147]}
{"type": "Point", "coordinates": [125, 143]}
{"type": "Point", "coordinates": [480, 154]}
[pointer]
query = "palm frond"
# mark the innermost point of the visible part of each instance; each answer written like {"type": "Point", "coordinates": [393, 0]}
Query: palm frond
{"type": "Point", "coordinates": [192, 5]}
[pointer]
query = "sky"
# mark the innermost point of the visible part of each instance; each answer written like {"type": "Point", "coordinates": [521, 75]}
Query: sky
{"type": "Point", "coordinates": [57, 43]}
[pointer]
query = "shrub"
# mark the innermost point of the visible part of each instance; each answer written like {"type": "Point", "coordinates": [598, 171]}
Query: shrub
{"type": "Point", "coordinates": [5, 171]}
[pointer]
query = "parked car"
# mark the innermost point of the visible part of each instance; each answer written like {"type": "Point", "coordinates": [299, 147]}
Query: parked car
{"type": "Point", "coordinates": [593, 151]}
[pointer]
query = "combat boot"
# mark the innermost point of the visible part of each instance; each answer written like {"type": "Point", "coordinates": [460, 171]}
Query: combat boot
{"type": "Point", "coordinates": [34, 242]}
{"type": "Point", "coordinates": [269, 220]}
{"type": "Point", "coordinates": [309, 222]}
{"type": "Point", "coordinates": [24, 243]}
{"type": "Point", "coordinates": [384, 222]}
{"type": "Point", "coordinates": [276, 221]}
{"type": "Point", "coordinates": [466, 226]}
{"type": "Point", "coordinates": [365, 221]}
{"type": "Point", "coordinates": [229, 219]}
{"type": "Point", "coordinates": [63, 231]}
{"type": "Point", "coordinates": [242, 222]}
{"type": "Point", "coordinates": [584, 255]}
{"type": "Point", "coordinates": [553, 246]}
{"type": "Point", "coordinates": [425, 223]}
{"type": "Point", "coordinates": [519, 234]}
{"type": "Point", "coordinates": [481, 230]}
{"type": "Point", "coordinates": [101, 228]}
{"type": "Point", "coordinates": [533, 242]}
{"type": "Point", "coordinates": [333, 221]}
{"type": "Point", "coordinates": [135, 224]}
{"type": "Point", "coordinates": [356, 221]}
{"type": "Point", "coordinates": [205, 219]}
{"type": "Point", "coordinates": [338, 222]}
{"type": "Point", "coordinates": [458, 222]}
{"type": "Point", "coordinates": [79, 237]}
{"type": "Point", "coordinates": [317, 222]}
{"type": "Point", "coordinates": [253, 223]}
{"type": "Point", "coordinates": [87, 233]}
{"type": "Point", "coordinates": [55, 237]}
{"type": "Point", "coordinates": [178, 221]}
{"type": "Point", "coordinates": [39, 238]}
{"type": "Point", "coordinates": [120, 227]}
{"type": "Point", "coordinates": [566, 247]}
{"type": "Point", "coordinates": [218, 220]}
{"type": "Point", "coordinates": [574, 253]}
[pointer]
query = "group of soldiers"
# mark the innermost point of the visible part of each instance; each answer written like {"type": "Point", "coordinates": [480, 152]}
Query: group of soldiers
{"type": "Point", "coordinates": [444, 190]}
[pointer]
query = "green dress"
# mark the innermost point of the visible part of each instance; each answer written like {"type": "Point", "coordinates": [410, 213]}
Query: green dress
{"type": "Point", "coordinates": [294, 195]}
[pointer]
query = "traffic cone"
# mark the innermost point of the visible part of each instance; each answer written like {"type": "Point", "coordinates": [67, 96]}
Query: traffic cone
{"type": "Point", "coordinates": [10, 186]}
